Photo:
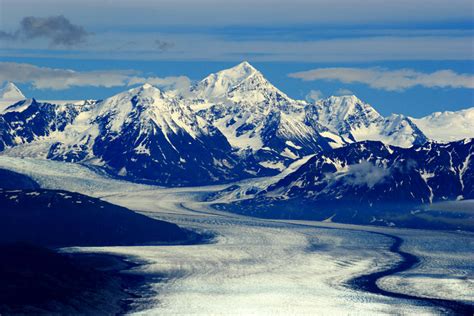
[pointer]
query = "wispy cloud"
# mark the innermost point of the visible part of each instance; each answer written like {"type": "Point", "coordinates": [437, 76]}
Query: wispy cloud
{"type": "Point", "coordinates": [58, 30]}
{"type": "Point", "coordinates": [59, 79]}
{"type": "Point", "coordinates": [163, 45]}
{"type": "Point", "coordinates": [314, 95]}
{"type": "Point", "coordinates": [391, 80]}
{"type": "Point", "coordinates": [364, 173]}
{"type": "Point", "coordinates": [343, 91]}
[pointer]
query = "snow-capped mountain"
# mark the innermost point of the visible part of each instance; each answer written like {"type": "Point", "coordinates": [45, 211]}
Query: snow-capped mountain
{"type": "Point", "coordinates": [231, 125]}
{"type": "Point", "coordinates": [140, 134]}
{"type": "Point", "coordinates": [447, 126]}
{"type": "Point", "coordinates": [256, 117]}
{"type": "Point", "coordinates": [10, 94]}
{"type": "Point", "coordinates": [354, 120]}
{"type": "Point", "coordinates": [158, 137]}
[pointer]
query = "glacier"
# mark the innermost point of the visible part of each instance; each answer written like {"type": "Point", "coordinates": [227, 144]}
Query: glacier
{"type": "Point", "coordinates": [267, 267]}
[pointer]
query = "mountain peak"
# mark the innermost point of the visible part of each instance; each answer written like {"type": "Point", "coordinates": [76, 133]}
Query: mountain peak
{"type": "Point", "coordinates": [11, 92]}
{"type": "Point", "coordinates": [244, 66]}
{"type": "Point", "coordinates": [343, 114]}
{"type": "Point", "coordinates": [237, 73]}
{"type": "Point", "coordinates": [145, 89]}
{"type": "Point", "coordinates": [147, 86]}
{"type": "Point", "coordinates": [346, 99]}
{"type": "Point", "coordinates": [347, 105]}
{"type": "Point", "coordinates": [240, 82]}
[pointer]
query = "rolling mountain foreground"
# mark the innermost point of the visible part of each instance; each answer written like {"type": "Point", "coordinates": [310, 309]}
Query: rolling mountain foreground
{"type": "Point", "coordinates": [54, 218]}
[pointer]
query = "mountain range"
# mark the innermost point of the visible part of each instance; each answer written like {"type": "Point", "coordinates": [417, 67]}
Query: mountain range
{"type": "Point", "coordinates": [229, 126]}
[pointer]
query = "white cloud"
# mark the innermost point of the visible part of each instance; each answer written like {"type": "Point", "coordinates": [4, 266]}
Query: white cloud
{"type": "Point", "coordinates": [344, 91]}
{"type": "Point", "coordinates": [314, 95]}
{"type": "Point", "coordinates": [363, 173]}
{"type": "Point", "coordinates": [391, 80]}
{"type": "Point", "coordinates": [59, 79]}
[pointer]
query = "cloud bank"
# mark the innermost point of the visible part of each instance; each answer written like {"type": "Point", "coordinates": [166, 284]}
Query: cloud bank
{"type": "Point", "coordinates": [60, 79]}
{"type": "Point", "coordinates": [390, 80]}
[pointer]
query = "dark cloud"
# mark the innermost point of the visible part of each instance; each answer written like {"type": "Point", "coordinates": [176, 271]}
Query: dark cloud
{"type": "Point", "coordinates": [160, 45]}
{"type": "Point", "coordinates": [6, 36]}
{"type": "Point", "coordinates": [58, 30]}
{"type": "Point", "coordinates": [163, 46]}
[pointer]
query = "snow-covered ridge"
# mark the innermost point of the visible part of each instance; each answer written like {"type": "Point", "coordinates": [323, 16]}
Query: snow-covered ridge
{"type": "Point", "coordinates": [447, 126]}
{"type": "Point", "coordinates": [355, 120]}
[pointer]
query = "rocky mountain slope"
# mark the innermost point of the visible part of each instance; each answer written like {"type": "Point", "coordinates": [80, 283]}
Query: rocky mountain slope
{"type": "Point", "coordinates": [256, 117]}
{"type": "Point", "coordinates": [366, 182]}
{"type": "Point", "coordinates": [145, 134]}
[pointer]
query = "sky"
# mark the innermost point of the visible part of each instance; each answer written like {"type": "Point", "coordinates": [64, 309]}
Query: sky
{"type": "Point", "coordinates": [411, 57]}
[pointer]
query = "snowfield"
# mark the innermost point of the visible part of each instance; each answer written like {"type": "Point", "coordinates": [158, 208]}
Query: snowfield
{"type": "Point", "coordinates": [447, 126]}
{"type": "Point", "coordinates": [267, 267]}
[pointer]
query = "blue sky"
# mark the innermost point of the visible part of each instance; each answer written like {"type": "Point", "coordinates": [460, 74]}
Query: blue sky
{"type": "Point", "coordinates": [410, 57]}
